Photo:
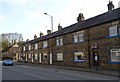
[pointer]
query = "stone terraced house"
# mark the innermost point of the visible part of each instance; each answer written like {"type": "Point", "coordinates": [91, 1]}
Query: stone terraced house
{"type": "Point", "coordinates": [87, 43]}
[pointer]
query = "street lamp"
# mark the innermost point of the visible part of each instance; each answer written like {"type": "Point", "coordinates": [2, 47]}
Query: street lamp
{"type": "Point", "coordinates": [51, 58]}
{"type": "Point", "coordinates": [51, 21]}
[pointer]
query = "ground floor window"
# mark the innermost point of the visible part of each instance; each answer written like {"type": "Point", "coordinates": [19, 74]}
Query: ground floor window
{"type": "Point", "coordinates": [36, 57]}
{"type": "Point", "coordinates": [29, 56]}
{"type": "Point", "coordinates": [79, 56]}
{"type": "Point", "coordinates": [44, 56]}
{"type": "Point", "coordinates": [59, 56]}
{"type": "Point", "coordinates": [23, 55]}
{"type": "Point", "coordinates": [115, 55]}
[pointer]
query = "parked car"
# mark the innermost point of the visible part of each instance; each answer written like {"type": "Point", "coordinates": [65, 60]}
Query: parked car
{"type": "Point", "coordinates": [7, 62]}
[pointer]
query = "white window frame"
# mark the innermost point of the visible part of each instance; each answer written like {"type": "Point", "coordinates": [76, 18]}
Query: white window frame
{"type": "Point", "coordinates": [114, 52]}
{"type": "Point", "coordinates": [45, 56]}
{"type": "Point", "coordinates": [36, 45]}
{"type": "Point", "coordinates": [119, 29]}
{"type": "Point", "coordinates": [23, 48]}
{"type": "Point", "coordinates": [45, 44]}
{"type": "Point", "coordinates": [29, 47]}
{"type": "Point", "coordinates": [59, 56]}
{"type": "Point", "coordinates": [78, 37]}
{"type": "Point", "coordinates": [29, 56]}
{"type": "Point", "coordinates": [81, 37]}
{"type": "Point", "coordinates": [59, 41]}
{"type": "Point", "coordinates": [24, 55]}
{"type": "Point", "coordinates": [113, 30]}
{"type": "Point", "coordinates": [75, 38]}
{"type": "Point", "coordinates": [79, 53]}
{"type": "Point", "coordinates": [36, 57]}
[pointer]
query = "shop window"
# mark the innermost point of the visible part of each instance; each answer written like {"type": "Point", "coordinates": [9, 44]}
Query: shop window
{"type": "Point", "coordinates": [79, 56]}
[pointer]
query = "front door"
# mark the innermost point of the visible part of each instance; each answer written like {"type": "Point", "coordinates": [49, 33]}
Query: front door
{"type": "Point", "coordinates": [50, 58]}
{"type": "Point", "coordinates": [40, 58]}
{"type": "Point", "coordinates": [32, 58]}
{"type": "Point", "coordinates": [95, 57]}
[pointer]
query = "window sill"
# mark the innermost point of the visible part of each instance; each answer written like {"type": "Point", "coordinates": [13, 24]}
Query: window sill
{"type": "Point", "coordinates": [80, 61]}
{"type": "Point", "coordinates": [59, 45]}
{"type": "Point", "coordinates": [45, 47]}
{"type": "Point", "coordinates": [114, 62]}
{"type": "Point", "coordinates": [59, 61]}
{"type": "Point", "coordinates": [113, 36]}
{"type": "Point", "coordinates": [78, 42]}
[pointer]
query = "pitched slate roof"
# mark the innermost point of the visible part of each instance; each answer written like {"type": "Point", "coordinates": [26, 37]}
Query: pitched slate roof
{"type": "Point", "coordinates": [94, 21]}
{"type": "Point", "coordinates": [7, 48]}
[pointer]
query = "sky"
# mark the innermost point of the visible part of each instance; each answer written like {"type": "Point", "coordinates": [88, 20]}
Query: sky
{"type": "Point", "coordinates": [27, 17]}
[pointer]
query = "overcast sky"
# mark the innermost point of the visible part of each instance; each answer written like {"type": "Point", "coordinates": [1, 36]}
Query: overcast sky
{"type": "Point", "coordinates": [27, 16]}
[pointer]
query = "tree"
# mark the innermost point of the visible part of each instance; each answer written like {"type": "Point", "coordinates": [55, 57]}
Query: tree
{"type": "Point", "coordinates": [4, 44]}
{"type": "Point", "coordinates": [12, 37]}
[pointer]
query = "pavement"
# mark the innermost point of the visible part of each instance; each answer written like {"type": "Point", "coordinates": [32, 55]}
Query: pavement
{"type": "Point", "coordinates": [115, 73]}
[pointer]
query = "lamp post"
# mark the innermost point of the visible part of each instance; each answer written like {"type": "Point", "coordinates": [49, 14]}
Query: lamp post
{"type": "Point", "coordinates": [51, 58]}
{"type": "Point", "coordinates": [51, 21]}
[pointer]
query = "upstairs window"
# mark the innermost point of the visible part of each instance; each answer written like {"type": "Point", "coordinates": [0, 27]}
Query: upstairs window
{"type": "Point", "coordinates": [78, 37]}
{"type": "Point", "coordinates": [45, 44]}
{"type": "Point", "coordinates": [113, 30]}
{"type": "Point", "coordinates": [75, 38]}
{"type": "Point", "coordinates": [29, 47]}
{"type": "Point", "coordinates": [115, 55]}
{"type": "Point", "coordinates": [24, 48]}
{"type": "Point", "coordinates": [119, 29]}
{"type": "Point", "coordinates": [36, 45]}
{"type": "Point", "coordinates": [59, 41]}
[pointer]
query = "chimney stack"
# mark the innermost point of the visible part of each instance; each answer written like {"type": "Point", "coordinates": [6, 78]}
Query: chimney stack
{"type": "Point", "coordinates": [59, 27]}
{"type": "Point", "coordinates": [80, 18]}
{"type": "Point", "coordinates": [35, 36]}
{"type": "Point", "coordinates": [110, 6]}
{"type": "Point", "coordinates": [48, 32]}
{"type": "Point", "coordinates": [41, 34]}
{"type": "Point", "coordinates": [27, 40]}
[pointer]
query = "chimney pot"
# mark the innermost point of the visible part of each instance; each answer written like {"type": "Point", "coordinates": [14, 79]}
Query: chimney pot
{"type": "Point", "coordinates": [110, 6]}
{"type": "Point", "coordinates": [41, 34]}
{"type": "Point", "coordinates": [35, 36]}
{"type": "Point", "coordinates": [48, 32]}
{"type": "Point", "coordinates": [80, 18]}
{"type": "Point", "coordinates": [59, 27]}
{"type": "Point", "coordinates": [27, 40]}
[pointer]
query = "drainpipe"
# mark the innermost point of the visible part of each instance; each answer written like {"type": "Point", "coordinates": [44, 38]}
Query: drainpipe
{"type": "Point", "coordinates": [89, 57]}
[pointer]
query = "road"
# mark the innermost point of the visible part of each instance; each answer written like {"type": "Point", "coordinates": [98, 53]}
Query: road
{"type": "Point", "coordinates": [23, 72]}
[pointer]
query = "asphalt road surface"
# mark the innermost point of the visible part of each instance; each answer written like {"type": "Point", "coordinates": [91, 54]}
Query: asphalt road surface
{"type": "Point", "coordinates": [22, 72]}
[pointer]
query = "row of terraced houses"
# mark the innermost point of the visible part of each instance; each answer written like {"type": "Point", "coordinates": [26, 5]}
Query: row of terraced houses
{"type": "Point", "coordinates": [87, 43]}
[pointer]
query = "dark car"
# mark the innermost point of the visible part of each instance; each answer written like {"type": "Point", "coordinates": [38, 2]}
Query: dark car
{"type": "Point", "coordinates": [7, 62]}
